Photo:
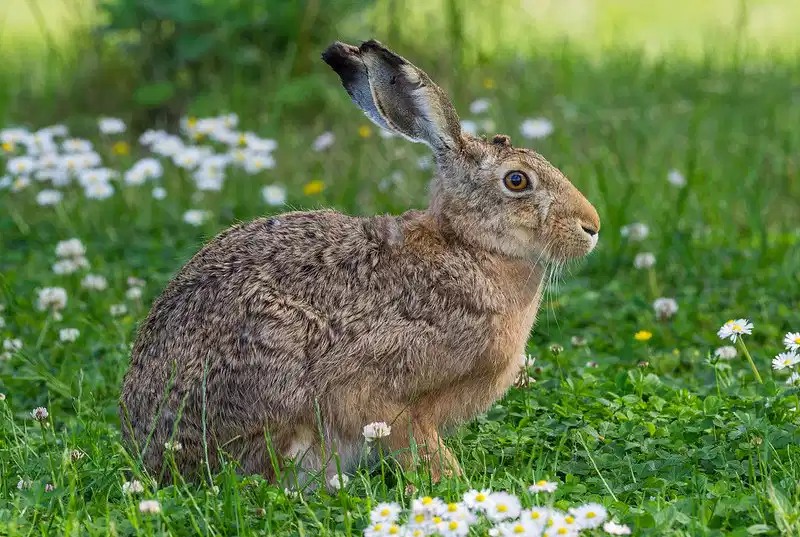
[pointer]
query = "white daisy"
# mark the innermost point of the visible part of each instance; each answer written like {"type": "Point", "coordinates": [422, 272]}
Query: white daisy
{"type": "Point", "coordinates": [537, 515]}
{"type": "Point", "coordinates": [785, 360]}
{"type": "Point", "coordinates": [258, 162]}
{"type": "Point", "coordinates": [457, 511]}
{"type": "Point", "coordinates": [20, 183]}
{"type": "Point", "coordinates": [111, 125]}
{"type": "Point", "coordinates": [49, 197]}
{"type": "Point", "coordinates": [427, 506]}
{"type": "Point", "coordinates": [76, 145]}
{"type": "Point", "coordinates": [519, 528]}
{"type": "Point", "coordinates": [188, 158]}
{"type": "Point", "coordinates": [70, 248]}
{"type": "Point", "coordinates": [385, 512]}
{"type": "Point", "coordinates": [734, 329]}
{"type": "Point", "coordinates": [479, 106]}
{"type": "Point", "coordinates": [536, 128]}
{"type": "Point", "coordinates": [135, 176]}
{"type": "Point", "coordinates": [452, 527]}
{"type": "Point", "coordinates": [323, 141]}
{"type": "Point", "coordinates": [478, 500]}
{"type": "Point", "coordinates": [590, 515]}
{"type": "Point", "coordinates": [98, 191]}
{"type": "Point", "coordinates": [612, 528]}
{"type": "Point", "coordinates": [134, 293]}
{"type": "Point", "coordinates": [543, 486]}
{"type": "Point", "coordinates": [274, 195]}
{"type": "Point", "coordinates": [195, 217]}
{"type": "Point", "coordinates": [676, 178]}
{"type": "Point", "coordinates": [259, 145]}
{"type": "Point", "coordinates": [794, 379]}
{"type": "Point", "coordinates": [792, 341]}
{"type": "Point", "coordinates": [159, 193]}
{"type": "Point", "coordinates": [21, 166]}
{"type": "Point", "coordinates": [503, 506]}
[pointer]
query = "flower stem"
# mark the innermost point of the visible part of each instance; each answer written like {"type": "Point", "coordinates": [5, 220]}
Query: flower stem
{"type": "Point", "coordinates": [743, 347]}
{"type": "Point", "coordinates": [653, 280]}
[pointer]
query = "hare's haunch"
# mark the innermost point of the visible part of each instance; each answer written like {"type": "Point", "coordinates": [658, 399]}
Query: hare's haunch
{"type": "Point", "coordinates": [285, 334]}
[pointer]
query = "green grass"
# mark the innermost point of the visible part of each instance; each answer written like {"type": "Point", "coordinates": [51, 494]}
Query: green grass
{"type": "Point", "coordinates": [683, 446]}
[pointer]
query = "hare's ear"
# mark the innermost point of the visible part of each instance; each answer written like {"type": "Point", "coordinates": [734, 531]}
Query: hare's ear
{"type": "Point", "coordinates": [395, 94]}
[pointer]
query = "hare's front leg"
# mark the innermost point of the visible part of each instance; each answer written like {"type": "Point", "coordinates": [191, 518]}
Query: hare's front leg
{"type": "Point", "coordinates": [413, 429]}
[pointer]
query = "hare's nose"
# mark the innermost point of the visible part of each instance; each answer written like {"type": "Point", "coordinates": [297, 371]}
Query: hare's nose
{"type": "Point", "coordinates": [589, 229]}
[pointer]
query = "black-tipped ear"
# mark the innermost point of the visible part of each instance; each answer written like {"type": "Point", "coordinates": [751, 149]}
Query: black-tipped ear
{"type": "Point", "coordinates": [395, 94]}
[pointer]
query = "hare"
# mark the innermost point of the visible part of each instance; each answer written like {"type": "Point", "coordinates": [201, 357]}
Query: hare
{"type": "Point", "coordinates": [282, 337]}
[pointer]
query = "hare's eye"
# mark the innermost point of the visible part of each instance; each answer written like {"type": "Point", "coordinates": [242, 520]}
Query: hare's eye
{"type": "Point", "coordinates": [516, 181]}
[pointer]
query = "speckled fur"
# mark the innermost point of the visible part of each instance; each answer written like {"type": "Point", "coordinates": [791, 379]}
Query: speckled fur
{"type": "Point", "coordinates": [314, 322]}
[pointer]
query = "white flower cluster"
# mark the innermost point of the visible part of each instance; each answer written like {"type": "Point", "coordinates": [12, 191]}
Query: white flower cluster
{"type": "Point", "coordinates": [501, 511]}
{"type": "Point", "coordinates": [71, 257]}
{"type": "Point", "coordinates": [789, 358]}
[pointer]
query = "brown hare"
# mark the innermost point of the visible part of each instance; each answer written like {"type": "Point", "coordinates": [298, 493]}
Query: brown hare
{"type": "Point", "coordinates": [288, 333]}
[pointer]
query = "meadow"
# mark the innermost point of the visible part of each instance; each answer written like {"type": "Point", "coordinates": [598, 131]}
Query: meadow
{"type": "Point", "coordinates": [630, 401]}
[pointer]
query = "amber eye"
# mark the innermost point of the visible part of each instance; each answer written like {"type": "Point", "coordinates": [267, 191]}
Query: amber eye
{"type": "Point", "coordinates": [516, 181]}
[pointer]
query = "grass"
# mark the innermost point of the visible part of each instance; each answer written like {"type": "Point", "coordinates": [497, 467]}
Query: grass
{"type": "Point", "coordinates": [671, 441]}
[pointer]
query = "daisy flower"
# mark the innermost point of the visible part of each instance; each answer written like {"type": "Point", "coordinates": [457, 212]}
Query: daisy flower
{"type": "Point", "coordinates": [536, 128]}
{"type": "Point", "coordinates": [792, 341]}
{"type": "Point", "coordinates": [543, 486]}
{"type": "Point", "coordinates": [385, 512]}
{"type": "Point", "coordinates": [458, 511]}
{"type": "Point", "coordinates": [519, 528]}
{"type": "Point", "coordinates": [49, 197]}
{"type": "Point", "coordinates": [503, 506]}
{"type": "Point", "coordinates": [612, 528]}
{"type": "Point", "coordinates": [676, 178]}
{"type": "Point", "coordinates": [785, 360]}
{"type": "Point", "coordinates": [323, 141]}
{"type": "Point", "coordinates": [195, 217]}
{"type": "Point", "coordinates": [478, 500]}
{"type": "Point", "coordinates": [590, 515]}
{"type": "Point", "coordinates": [452, 527]}
{"type": "Point", "coordinates": [111, 125]}
{"type": "Point", "coordinates": [479, 106]}
{"type": "Point", "coordinates": [274, 195]}
{"type": "Point", "coordinates": [159, 193]}
{"type": "Point", "coordinates": [734, 329]}
{"type": "Point", "coordinates": [537, 515]}
{"type": "Point", "coordinates": [794, 379]}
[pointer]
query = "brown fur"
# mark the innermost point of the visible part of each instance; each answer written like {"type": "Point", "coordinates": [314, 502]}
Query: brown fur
{"type": "Point", "coordinates": [317, 321]}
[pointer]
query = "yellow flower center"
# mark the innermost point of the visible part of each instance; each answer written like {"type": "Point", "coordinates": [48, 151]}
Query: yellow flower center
{"type": "Point", "coordinates": [437, 519]}
{"type": "Point", "coordinates": [121, 148]}
{"type": "Point", "coordinates": [426, 500]}
{"type": "Point", "coordinates": [480, 497]}
{"type": "Point", "coordinates": [419, 519]}
{"type": "Point", "coordinates": [394, 529]}
{"type": "Point", "coordinates": [737, 327]}
{"type": "Point", "coordinates": [569, 519]}
{"type": "Point", "coordinates": [242, 140]}
{"type": "Point", "coordinates": [502, 508]}
{"type": "Point", "coordinates": [535, 515]}
{"type": "Point", "coordinates": [315, 187]}
{"type": "Point", "coordinates": [384, 512]}
{"type": "Point", "coordinates": [541, 483]}
{"type": "Point", "coordinates": [8, 147]}
{"type": "Point", "coordinates": [191, 122]}
{"type": "Point", "coordinates": [364, 131]}
{"type": "Point", "coordinates": [797, 340]}
{"type": "Point", "coordinates": [452, 507]}
{"type": "Point", "coordinates": [519, 528]}
{"type": "Point", "coordinates": [453, 525]}
{"type": "Point", "coordinates": [643, 335]}
{"type": "Point", "coordinates": [550, 522]}
{"type": "Point", "coordinates": [562, 531]}
{"type": "Point", "coordinates": [378, 527]}
{"type": "Point", "coordinates": [488, 83]}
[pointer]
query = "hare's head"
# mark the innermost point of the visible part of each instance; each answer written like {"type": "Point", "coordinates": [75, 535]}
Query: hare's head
{"type": "Point", "coordinates": [490, 194]}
